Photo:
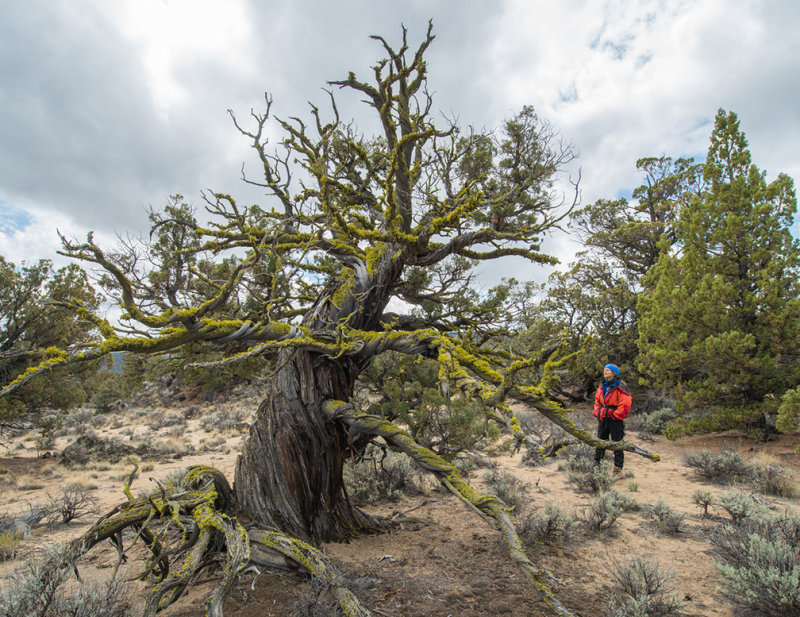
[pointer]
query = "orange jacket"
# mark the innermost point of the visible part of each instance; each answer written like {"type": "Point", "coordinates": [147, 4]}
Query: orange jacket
{"type": "Point", "coordinates": [615, 404]}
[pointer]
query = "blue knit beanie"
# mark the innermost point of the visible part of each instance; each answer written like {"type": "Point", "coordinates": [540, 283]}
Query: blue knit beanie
{"type": "Point", "coordinates": [613, 368]}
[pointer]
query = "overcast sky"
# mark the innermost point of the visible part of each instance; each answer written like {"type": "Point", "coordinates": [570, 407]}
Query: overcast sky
{"type": "Point", "coordinates": [108, 107]}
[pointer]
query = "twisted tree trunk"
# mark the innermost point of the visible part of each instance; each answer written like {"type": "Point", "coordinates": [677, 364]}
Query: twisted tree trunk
{"type": "Point", "coordinates": [289, 474]}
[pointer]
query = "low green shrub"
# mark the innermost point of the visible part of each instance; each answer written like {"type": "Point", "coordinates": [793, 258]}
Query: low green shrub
{"type": "Point", "coordinates": [760, 565]}
{"type": "Point", "coordinates": [553, 525]}
{"type": "Point", "coordinates": [507, 487]}
{"type": "Point", "coordinates": [642, 591]}
{"type": "Point", "coordinates": [667, 521]}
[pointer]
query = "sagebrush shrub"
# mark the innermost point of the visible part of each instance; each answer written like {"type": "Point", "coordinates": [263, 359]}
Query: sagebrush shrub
{"type": "Point", "coordinates": [740, 506]}
{"type": "Point", "coordinates": [720, 468]}
{"type": "Point", "coordinates": [73, 502]}
{"type": "Point", "coordinates": [552, 525]}
{"type": "Point", "coordinates": [642, 591]}
{"type": "Point", "coordinates": [772, 479]}
{"type": "Point", "coordinates": [658, 420]}
{"type": "Point", "coordinates": [703, 498]}
{"type": "Point", "coordinates": [507, 487]}
{"type": "Point", "coordinates": [585, 473]}
{"type": "Point", "coordinates": [380, 478]}
{"type": "Point", "coordinates": [603, 512]}
{"type": "Point", "coordinates": [760, 565]}
{"type": "Point", "coordinates": [667, 521]}
{"type": "Point", "coordinates": [34, 590]}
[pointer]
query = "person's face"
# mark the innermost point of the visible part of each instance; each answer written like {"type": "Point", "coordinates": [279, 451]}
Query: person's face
{"type": "Point", "coordinates": [608, 374]}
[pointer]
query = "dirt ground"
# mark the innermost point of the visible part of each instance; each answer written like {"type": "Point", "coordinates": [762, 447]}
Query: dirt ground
{"type": "Point", "coordinates": [448, 563]}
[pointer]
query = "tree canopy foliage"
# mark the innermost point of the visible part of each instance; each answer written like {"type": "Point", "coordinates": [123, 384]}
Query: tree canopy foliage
{"type": "Point", "coordinates": [595, 301]}
{"type": "Point", "coordinates": [36, 322]}
{"type": "Point", "coordinates": [721, 309]}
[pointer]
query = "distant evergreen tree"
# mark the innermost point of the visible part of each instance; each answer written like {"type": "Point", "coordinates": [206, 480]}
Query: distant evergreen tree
{"type": "Point", "coordinates": [720, 314]}
{"type": "Point", "coordinates": [596, 300]}
{"type": "Point", "coordinates": [37, 316]}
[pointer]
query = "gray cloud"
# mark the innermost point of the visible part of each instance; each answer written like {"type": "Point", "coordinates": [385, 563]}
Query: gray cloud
{"type": "Point", "coordinates": [88, 139]}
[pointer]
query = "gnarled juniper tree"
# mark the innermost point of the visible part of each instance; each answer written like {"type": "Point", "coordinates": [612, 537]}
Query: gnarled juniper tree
{"type": "Point", "coordinates": [356, 222]}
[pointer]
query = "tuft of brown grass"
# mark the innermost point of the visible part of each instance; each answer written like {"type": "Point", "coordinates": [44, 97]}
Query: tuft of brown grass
{"type": "Point", "coordinates": [28, 482]}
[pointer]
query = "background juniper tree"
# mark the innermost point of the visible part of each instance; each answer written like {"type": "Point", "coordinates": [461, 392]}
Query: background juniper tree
{"type": "Point", "coordinates": [33, 319]}
{"type": "Point", "coordinates": [720, 313]}
{"type": "Point", "coordinates": [595, 301]}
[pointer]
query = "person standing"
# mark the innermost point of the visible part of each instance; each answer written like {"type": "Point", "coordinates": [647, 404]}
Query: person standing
{"type": "Point", "coordinates": [612, 403]}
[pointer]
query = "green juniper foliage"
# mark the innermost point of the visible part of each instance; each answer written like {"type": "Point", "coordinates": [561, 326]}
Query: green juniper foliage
{"type": "Point", "coordinates": [595, 302]}
{"type": "Point", "coordinates": [789, 413]}
{"type": "Point", "coordinates": [721, 309]}
{"type": "Point", "coordinates": [35, 319]}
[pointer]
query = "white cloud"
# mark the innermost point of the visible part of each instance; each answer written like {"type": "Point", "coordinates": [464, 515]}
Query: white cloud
{"type": "Point", "coordinates": [119, 105]}
{"type": "Point", "coordinates": [173, 34]}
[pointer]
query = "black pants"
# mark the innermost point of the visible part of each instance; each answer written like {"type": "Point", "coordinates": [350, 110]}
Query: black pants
{"type": "Point", "coordinates": [610, 427]}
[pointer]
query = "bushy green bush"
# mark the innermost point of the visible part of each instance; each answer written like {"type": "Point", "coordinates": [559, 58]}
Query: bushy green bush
{"type": "Point", "coordinates": [380, 477]}
{"type": "Point", "coordinates": [642, 591]}
{"type": "Point", "coordinates": [658, 420]}
{"type": "Point", "coordinates": [507, 487]}
{"type": "Point", "coordinates": [789, 413]}
{"type": "Point", "coordinates": [760, 565]}
{"type": "Point", "coordinates": [552, 525]}
{"type": "Point", "coordinates": [407, 390]}
{"type": "Point", "coordinates": [110, 386]}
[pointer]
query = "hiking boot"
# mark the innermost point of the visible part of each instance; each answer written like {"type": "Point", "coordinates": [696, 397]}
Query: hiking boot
{"type": "Point", "coordinates": [617, 470]}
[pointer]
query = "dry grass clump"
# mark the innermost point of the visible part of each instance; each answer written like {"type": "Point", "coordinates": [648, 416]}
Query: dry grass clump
{"type": "Point", "coordinates": [27, 482]}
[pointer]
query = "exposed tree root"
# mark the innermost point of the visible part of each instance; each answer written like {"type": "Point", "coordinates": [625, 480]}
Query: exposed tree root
{"type": "Point", "coordinates": [190, 527]}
